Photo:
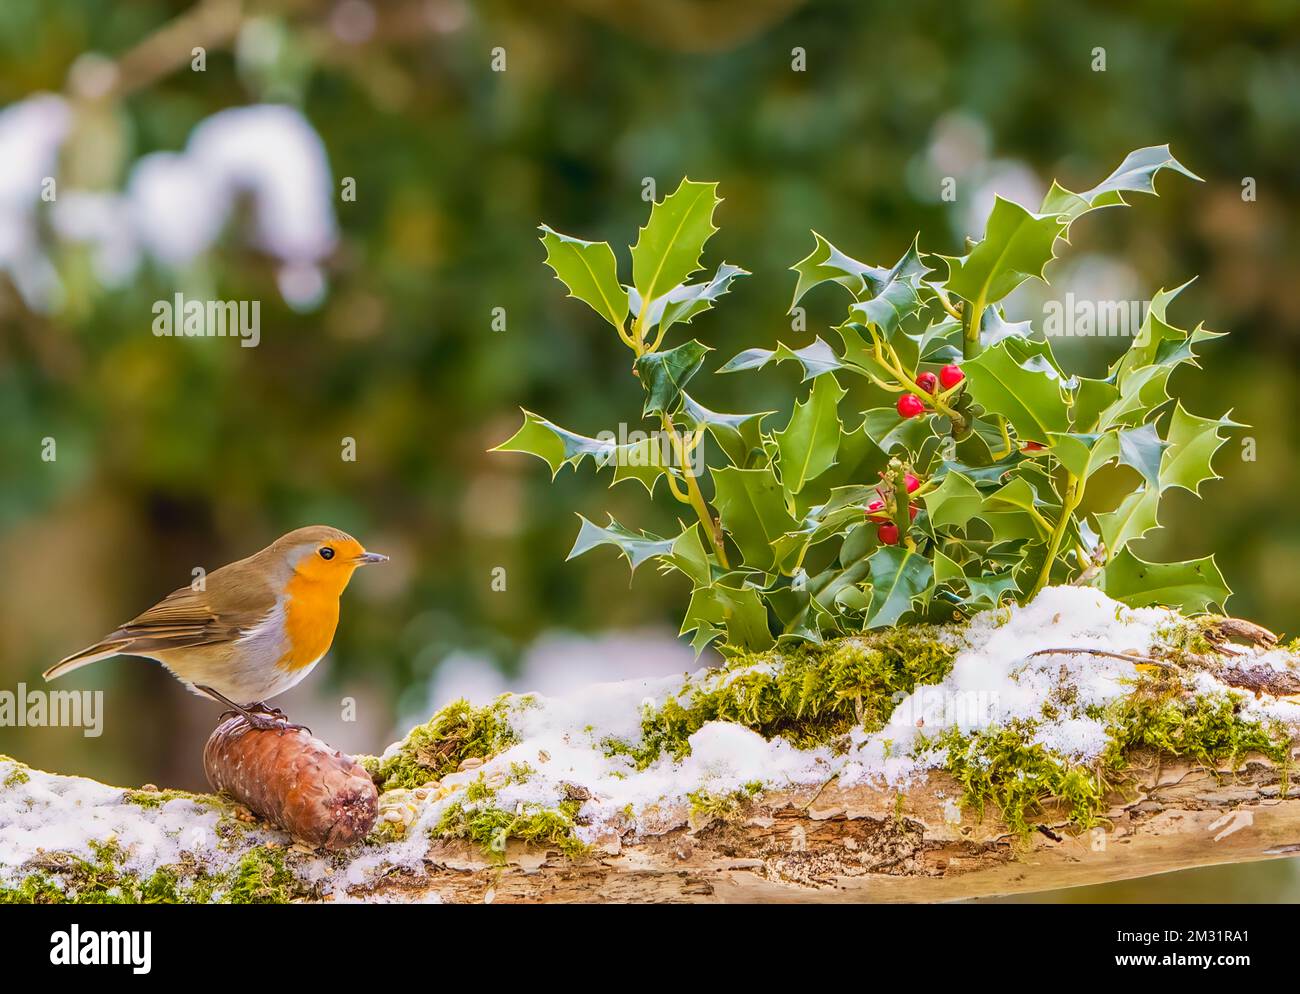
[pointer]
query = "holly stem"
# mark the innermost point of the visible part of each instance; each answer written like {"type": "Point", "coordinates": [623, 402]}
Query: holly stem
{"type": "Point", "coordinates": [1073, 497]}
{"type": "Point", "coordinates": [711, 526]}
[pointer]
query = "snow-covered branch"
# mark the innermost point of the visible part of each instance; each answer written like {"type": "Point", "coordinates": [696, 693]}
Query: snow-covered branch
{"type": "Point", "coordinates": [1071, 741]}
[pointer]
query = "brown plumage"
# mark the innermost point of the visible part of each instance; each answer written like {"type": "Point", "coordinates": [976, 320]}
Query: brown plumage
{"type": "Point", "coordinates": [256, 627]}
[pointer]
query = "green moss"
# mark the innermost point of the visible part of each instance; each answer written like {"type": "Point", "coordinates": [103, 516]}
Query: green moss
{"type": "Point", "coordinates": [261, 878]}
{"type": "Point", "coordinates": [808, 694]}
{"type": "Point", "coordinates": [17, 777]}
{"type": "Point", "coordinates": [35, 889]}
{"type": "Point", "coordinates": [1005, 767]}
{"type": "Point", "coordinates": [476, 817]}
{"type": "Point", "coordinates": [157, 798]}
{"type": "Point", "coordinates": [458, 732]}
{"type": "Point", "coordinates": [1208, 728]}
{"type": "Point", "coordinates": [726, 806]}
{"type": "Point", "coordinates": [1186, 637]}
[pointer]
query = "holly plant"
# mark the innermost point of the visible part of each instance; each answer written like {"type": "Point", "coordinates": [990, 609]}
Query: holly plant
{"type": "Point", "coordinates": [962, 492]}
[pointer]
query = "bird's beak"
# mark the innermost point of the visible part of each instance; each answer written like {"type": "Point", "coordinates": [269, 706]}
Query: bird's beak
{"type": "Point", "coordinates": [366, 558]}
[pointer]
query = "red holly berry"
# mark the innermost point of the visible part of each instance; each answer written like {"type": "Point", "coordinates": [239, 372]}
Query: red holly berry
{"type": "Point", "coordinates": [950, 376]}
{"type": "Point", "coordinates": [927, 381]}
{"type": "Point", "coordinates": [912, 483]}
{"type": "Point", "coordinates": [876, 511]}
{"type": "Point", "coordinates": [911, 511]}
{"type": "Point", "coordinates": [909, 405]}
{"type": "Point", "coordinates": [1033, 446]}
{"type": "Point", "coordinates": [888, 533]}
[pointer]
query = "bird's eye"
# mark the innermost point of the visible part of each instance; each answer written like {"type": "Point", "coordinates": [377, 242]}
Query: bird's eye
{"type": "Point", "coordinates": [327, 553]}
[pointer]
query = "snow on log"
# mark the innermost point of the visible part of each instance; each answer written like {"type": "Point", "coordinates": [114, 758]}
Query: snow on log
{"type": "Point", "coordinates": [1071, 741]}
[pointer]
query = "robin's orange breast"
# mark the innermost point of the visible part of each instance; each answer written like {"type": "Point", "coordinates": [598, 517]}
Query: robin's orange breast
{"type": "Point", "coordinates": [311, 614]}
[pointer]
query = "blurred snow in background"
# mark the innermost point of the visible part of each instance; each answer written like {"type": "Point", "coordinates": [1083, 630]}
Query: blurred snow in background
{"type": "Point", "coordinates": [557, 663]}
{"type": "Point", "coordinates": [174, 205]}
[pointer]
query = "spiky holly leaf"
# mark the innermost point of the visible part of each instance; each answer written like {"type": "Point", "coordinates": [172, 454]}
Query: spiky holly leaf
{"type": "Point", "coordinates": [891, 433]}
{"type": "Point", "coordinates": [898, 574]}
{"type": "Point", "coordinates": [825, 263]}
{"type": "Point", "coordinates": [1135, 516]}
{"type": "Point", "coordinates": [664, 374]}
{"type": "Point", "coordinates": [954, 503]}
{"type": "Point", "coordinates": [1142, 448]}
{"type": "Point", "coordinates": [739, 610]}
{"type": "Point", "coordinates": [590, 272]}
{"type": "Point", "coordinates": [557, 446]}
{"type": "Point", "coordinates": [645, 461]}
{"type": "Point", "coordinates": [753, 511]}
{"type": "Point", "coordinates": [1193, 442]}
{"type": "Point", "coordinates": [636, 547]}
{"type": "Point", "coordinates": [809, 443]}
{"type": "Point", "coordinates": [994, 327]}
{"type": "Point", "coordinates": [890, 296]}
{"type": "Point", "coordinates": [1136, 174]}
{"type": "Point", "coordinates": [1191, 587]}
{"type": "Point", "coordinates": [1017, 245]}
{"type": "Point", "coordinates": [1028, 393]}
{"type": "Point", "coordinates": [684, 301]}
{"type": "Point", "coordinates": [689, 557]}
{"type": "Point", "coordinates": [668, 248]}
{"type": "Point", "coordinates": [736, 434]}
{"type": "Point", "coordinates": [816, 359]}
{"type": "Point", "coordinates": [1083, 453]}
{"type": "Point", "coordinates": [989, 590]}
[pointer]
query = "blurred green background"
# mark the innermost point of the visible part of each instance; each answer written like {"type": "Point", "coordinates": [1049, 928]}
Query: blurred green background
{"type": "Point", "coordinates": [377, 323]}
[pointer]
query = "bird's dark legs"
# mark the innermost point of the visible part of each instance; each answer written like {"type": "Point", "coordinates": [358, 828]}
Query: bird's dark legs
{"type": "Point", "coordinates": [259, 714]}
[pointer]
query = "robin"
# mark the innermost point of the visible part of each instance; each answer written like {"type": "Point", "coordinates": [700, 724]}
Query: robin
{"type": "Point", "coordinates": [256, 628]}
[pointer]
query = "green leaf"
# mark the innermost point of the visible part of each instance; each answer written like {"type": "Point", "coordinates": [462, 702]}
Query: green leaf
{"type": "Point", "coordinates": [826, 263]}
{"type": "Point", "coordinates": [1017, 245]}
{"type": "Point", "coordinates": [897, 575]}
{"type": "Point", "coordinates": [644, 461]}
{"type": "Point", "coordinates": [740, 611]}
{"type": "Point", "coordinates": [816, 359]}
{"type": "Point", "coordinates": [589, 271]}
{"type": "Point", "coordinates": [994, 328]}
{"type": "Point", "coordinates": [857, 459]}
{"type": "Point", "coordinates": [1083, 453]}
{"type": "Point", "coordinates": [668, 248]}
{"type": "Point", "coordinates": [989, 590]}
{"type": "Point", "coordinates": [955, 502]}
{"type": "Point", "coordinates": [889, 431]}
{"type": "Point", "coordinates": [891, 295]}
{"type": "Point", "coordinates": [689, 557]}
{"type": "Point", "coordinates": [753, 512]}
{"type": "Point", "coordinates": [1136, 174]}
{"type": "Point", "coordinates": [1088, 399]}
{"type": "Point", "coordinates": [736, 434]}
{"type": "Point", "coordinates": [1143, 449]}
{"type": "Point", "coordinates": [556, 445]}
{"type": "Point", "coordinates": [636, 547]}
{"type": "Point", "coordinates": [1026, 394]}
{"type": "Point", "coordinates": [810, 442]}
{"type": "Point", "coordinates": [680, 304]}
{"type": "Point", "coordinates": [664, 374]}
{"type": "Point", "coordinates": [1135, 516]}
{"type": "Point", "coordinates": [1191, 587]}
{"type": "Point", "coordinates": [1193, 442]}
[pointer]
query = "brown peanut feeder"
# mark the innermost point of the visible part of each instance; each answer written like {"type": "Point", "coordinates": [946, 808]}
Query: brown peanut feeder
{"type": "Point", "coordinates": [293, 780]}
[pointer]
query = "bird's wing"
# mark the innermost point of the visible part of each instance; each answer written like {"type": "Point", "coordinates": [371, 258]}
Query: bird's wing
{"type": "Point", "coordinates": [235, 600]}
{"type": "Point", "coordinates": [226, 609]}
